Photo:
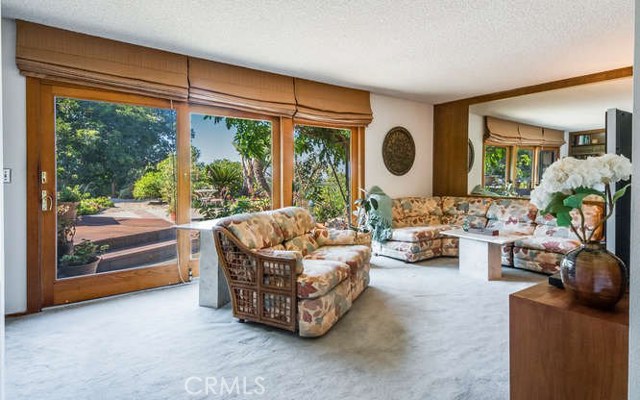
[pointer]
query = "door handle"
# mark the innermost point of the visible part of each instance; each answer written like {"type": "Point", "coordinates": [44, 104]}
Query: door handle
{"type": "Point", "coordinates": [47, 201]}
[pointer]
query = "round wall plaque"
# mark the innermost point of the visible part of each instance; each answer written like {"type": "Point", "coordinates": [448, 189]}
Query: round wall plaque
{"type": "Point", "coordinates": [398, 151]}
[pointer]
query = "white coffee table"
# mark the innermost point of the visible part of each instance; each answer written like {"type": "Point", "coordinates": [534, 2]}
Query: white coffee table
{"type": "Point", "coordinates": [480, 255]}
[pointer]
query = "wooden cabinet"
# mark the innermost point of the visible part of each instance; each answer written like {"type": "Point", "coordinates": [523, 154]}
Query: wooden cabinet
{"type": "Point", "coordinates": [563, 351]}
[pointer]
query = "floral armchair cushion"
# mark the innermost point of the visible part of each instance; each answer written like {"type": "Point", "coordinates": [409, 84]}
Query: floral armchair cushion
{"type": "Point", "coordinates": [254, 230]}
{"type": "Point", "coordinates": [305, 244]}
{"type": "Point", "coordinates": [548, 226]}
{"type": "Point", "coordinates": [293, 221]}
{"type": "Point", "coordinates": [320, 277]}
{"type": "Point", "coordinates": [338, 237]}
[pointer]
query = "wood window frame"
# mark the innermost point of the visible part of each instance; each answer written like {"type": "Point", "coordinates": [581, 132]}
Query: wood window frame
{"type": "Point", "coordinates": [43, 287]}
{"type": "Point", "coordinates": [355, 163]}
{"type": "Point", "coordinates": [512, 152]}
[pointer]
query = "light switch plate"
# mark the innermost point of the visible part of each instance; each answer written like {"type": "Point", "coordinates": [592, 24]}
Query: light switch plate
{"type": "Point", "coordinates": [6, 175]}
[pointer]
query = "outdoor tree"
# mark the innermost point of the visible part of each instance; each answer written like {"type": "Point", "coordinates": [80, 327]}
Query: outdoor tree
{"type": "Point", "coordinates": [108, 146]}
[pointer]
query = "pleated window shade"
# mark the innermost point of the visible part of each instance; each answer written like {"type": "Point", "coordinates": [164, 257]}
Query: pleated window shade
{"type": "Point", "coordinates": [509, 133]}
{"type": "Point", "coordinates": [502, 132]}
{"type": "Point", "coordinates": [229, 86]}
{"type": "Point", "coordinates": [52, 53]}
{"type": "Point", "coordinates": [332, 104]}
{"type": "Point", "coordinates": [530, 135]}
{"type": "Point", "coordinates": [553, 137]}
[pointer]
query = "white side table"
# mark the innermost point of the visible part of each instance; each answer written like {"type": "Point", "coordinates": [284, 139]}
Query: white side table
{"type": "Point", "coordinates": [213, 288]}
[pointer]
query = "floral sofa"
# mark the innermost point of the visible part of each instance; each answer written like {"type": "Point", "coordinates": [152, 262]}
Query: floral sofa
{"type": "Point", "coordinates": [284, 270]}
{"type": "Point", "coordinates": [418, 221]}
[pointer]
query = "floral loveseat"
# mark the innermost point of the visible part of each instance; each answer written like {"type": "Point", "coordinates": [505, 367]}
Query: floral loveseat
{"type": "Point", "coordinates": [418, 221]}
{"type": "Point", "coordinates": [284, 270]}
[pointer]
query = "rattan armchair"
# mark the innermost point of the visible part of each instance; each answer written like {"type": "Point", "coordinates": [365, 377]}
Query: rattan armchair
{"type": "Point", "coordinates": [262, 288]}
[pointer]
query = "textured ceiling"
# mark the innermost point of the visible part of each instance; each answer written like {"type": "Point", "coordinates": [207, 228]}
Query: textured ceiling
{"type": "Point", "coordinates": [571, 109]}
{"type": "Point", "coordinates": [432, 50]}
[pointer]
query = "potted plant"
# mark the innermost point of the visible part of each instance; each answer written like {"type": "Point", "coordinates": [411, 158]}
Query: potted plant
{"type": "Point", "coordinates": [83, 260]}
{"type": "Point", "coordinates": [593, 275]}
{"type": "Point", "coordinates": [68, 199]}
{"type": "Point", "coordinates": [373, 214]}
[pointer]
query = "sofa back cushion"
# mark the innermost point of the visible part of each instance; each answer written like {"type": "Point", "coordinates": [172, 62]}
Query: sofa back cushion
{"type": "Point", "coordinates": [458, 209]}
{"type": "Point", "coordinates": [293, 221]}
{"type": "Point", "coordinates": [254, 230]}
{"type": "Point", "coordinates": [305, 243]}
{"type": "Point", "coordinates": [548, 226]}
{"type": "Point", "coordinates": [416, 211]}
{"type": "Point", "coordinates": [512, 216]}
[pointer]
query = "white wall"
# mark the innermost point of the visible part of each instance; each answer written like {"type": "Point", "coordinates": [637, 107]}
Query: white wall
{"type": "Point", "coordinates": [15, 153]}
{"type": "Point", "coordinates": [417, 118]}
{"type": "Point", "coordinates": [634, 314]}
{"type": "Point", "coordinates": [2, 227]}
{"type": "Point", "coordinates": [476, 135]}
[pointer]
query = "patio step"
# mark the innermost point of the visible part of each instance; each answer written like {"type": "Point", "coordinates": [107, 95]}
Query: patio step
{"type": "Point", "coordinates": [140, 256]}
{"type": "Point", "coordinates": [137, 240]}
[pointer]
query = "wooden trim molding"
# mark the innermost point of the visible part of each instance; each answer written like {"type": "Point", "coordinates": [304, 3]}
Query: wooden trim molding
{"type": "Point", "coordinates": [451, 128]}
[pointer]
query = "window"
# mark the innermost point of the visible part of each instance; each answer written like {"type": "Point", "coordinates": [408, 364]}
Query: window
{"type": "Point", "coordinates": [524, 171]}
{"type": "Point", "coordinates": [545, 159]}
{"type": "Point", "coordinates": [496, 161]}
{"type": "Point", "coordinates": [115, 186]}
{"type": "Point", "coordinates": [231, 167]}
{"type": "Point", "coordinates": [514, 170]}
{"type": "Point", "coordinates": [321, 179]}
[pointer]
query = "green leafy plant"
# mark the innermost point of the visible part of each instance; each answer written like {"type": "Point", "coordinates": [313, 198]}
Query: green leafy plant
{"type": "Point", "coordinates": [72, 194]}
{"type": "Point", "coordinates": [225, 176]}
{"type": "Point", "coordinates": [149, 186]}
{"type": "Point", "coordinates": [83, 253]}
{"type": "Point", "coordinates": [94, 205]}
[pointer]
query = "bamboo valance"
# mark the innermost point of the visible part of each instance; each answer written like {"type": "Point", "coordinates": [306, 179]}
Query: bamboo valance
{"type": "Point", "coordinates": [332, 104]}
{"type": "Point", "coordinates": [224, 85]}
{"type": "Point", "coordinates": [52, 53]}
{"type": "Point", "coordinates": [60, 55]}
{"type": "Point", "coordinates": [510, 133]}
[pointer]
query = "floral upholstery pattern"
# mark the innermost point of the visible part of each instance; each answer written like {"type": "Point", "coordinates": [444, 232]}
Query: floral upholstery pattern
{"type": "Point", "coordinates": [332, 265]}
{"type": "Point", "coordinates": [512, 227]}
{"type": "Point", "coordinates": [305, 243]}
{"type": "Point", "coordinates": [320, 277]}
{"type": "Point", "coordinates": [512, 211]}
{"type": "Point", "coordinates": [399, 251]}
{"type": "Point", "coordinates": [333, 237]}
{"type": "Point", "coordinates": [593, 214]}
{"type": "Point", "coordinates": [537, 260]}
{"type": "Point", "coordinates": [555, 244]}
{"type": "Point", "coordinates": [416, 211]}
{"type": "Point", "coordinates": [355, 256]}
{"type": "Point", "coordinates": [316, 316]}
{"type": "Point", "coordinates": [418, 233]}
{"type": "Point", "coordinates": [450, 246]}
{"type": "Point", "coordinates": [255, 231]}
{"type": "Point", "coordinates": [293, 221]}
{"type": "Point", "coordinates": [360, 281]}
{"type": "Point", "coordinates": [458, 220]}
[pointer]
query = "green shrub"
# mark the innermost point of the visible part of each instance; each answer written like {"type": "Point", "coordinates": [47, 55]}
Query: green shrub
{"type": "Point", "coordinates": [94, 205]}
{"type": "Point", "coordinates": [72, 194]}
{"type": "Point", "coordinates": [83, 253]}
{"type": "Point", "coordinates": [149, 186]}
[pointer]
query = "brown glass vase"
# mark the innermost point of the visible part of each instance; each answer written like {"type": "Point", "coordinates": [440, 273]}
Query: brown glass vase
{"type": "Point", "coordinates": [595, 277]}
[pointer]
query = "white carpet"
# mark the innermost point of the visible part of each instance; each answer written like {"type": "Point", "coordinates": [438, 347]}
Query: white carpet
{"type": "Point", "coordinates": [420, 331]}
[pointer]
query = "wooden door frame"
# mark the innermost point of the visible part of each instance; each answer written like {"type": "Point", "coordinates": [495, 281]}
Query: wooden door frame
{"type": "Point", "coordinates": [43, 289]}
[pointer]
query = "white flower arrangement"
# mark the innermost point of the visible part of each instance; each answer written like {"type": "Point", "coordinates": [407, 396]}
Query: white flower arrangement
{"type": "Point", "coordinates": [567, 182]}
